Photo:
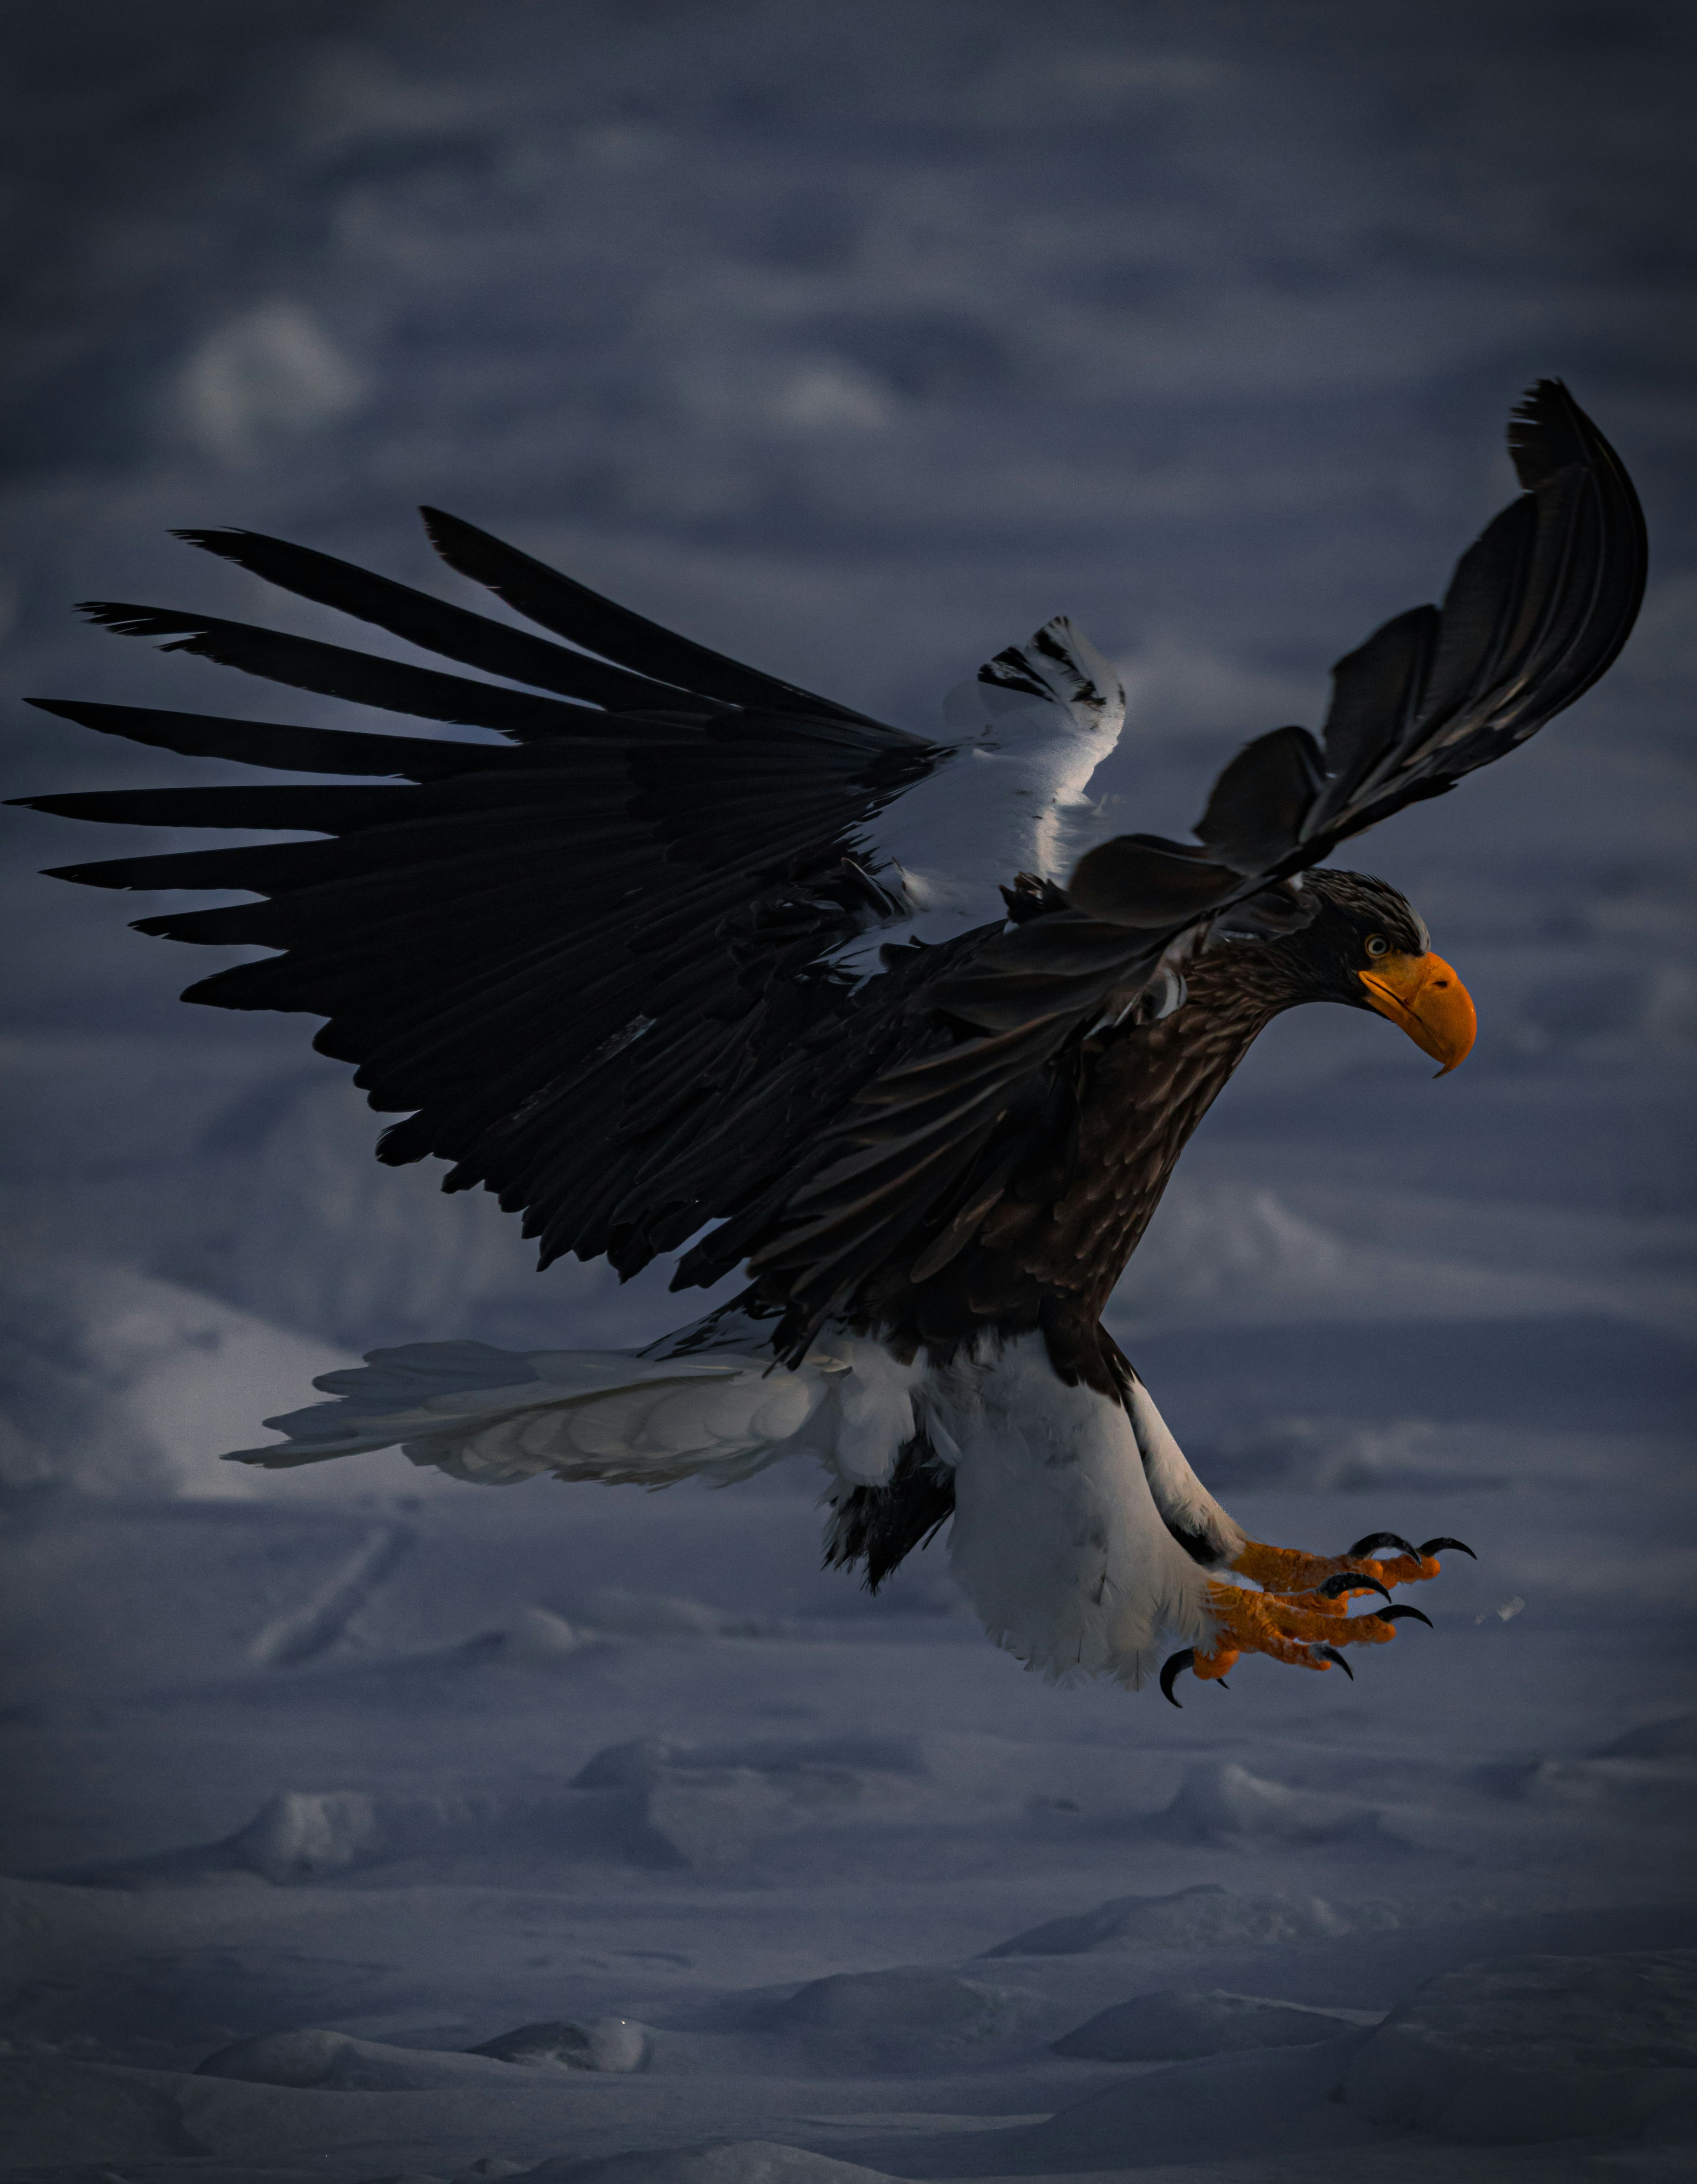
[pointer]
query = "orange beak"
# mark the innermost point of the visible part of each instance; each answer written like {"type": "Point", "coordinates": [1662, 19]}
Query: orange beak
{"type": "Point", "coordinates": [1422, 995]}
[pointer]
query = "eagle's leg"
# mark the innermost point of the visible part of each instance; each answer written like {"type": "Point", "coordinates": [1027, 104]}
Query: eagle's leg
{"type": "Point", "coordinates": [1195, 1519]}
{"type": "Point", "coordinates": [1300, 1615]}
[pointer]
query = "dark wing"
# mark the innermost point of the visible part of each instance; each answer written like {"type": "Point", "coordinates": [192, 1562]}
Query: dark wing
{"type": "Point", "coordinates": [584, 960]}
{"type": "Point", "coordinates": [1537, 610]}
{"type": "Point", "coordinates": [592, 962]}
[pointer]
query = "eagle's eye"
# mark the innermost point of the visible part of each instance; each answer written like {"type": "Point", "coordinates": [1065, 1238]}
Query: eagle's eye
{"type": "Point", "coordinates": [1377, 944]}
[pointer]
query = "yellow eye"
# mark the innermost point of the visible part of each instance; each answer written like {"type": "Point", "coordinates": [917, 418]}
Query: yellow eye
{"type": "Point", "coordinates": [1377, 944]}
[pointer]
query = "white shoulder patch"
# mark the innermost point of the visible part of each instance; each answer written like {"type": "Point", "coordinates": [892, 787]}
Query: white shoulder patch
{"type": "Point", "coordinates": [1029, 730]}
{"type": "Point", "coordinates": [1018, 693]}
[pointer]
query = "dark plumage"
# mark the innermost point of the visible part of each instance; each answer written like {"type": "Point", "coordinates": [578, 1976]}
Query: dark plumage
{"type": "Point", "coordinates": [1093, 1163]}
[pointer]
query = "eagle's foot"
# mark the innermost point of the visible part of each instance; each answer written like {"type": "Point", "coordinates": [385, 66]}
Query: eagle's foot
{"type": "Point", "coordinates": [1305, 1630]}
{"type": "Point", "coordinates": [1289, 1570]}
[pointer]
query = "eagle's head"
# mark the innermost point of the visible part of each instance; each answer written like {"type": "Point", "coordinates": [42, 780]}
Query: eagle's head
{"type": "Point", "coordinates": [1366, 947]}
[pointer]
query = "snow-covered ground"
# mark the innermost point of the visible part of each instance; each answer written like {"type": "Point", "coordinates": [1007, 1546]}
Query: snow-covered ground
{"type": "Point", "coordinates": [361, 1825]}
{"type": "Point", "coordinates": [322, 1786]}
{"type": "Point", "coordinates": [406, 1775]}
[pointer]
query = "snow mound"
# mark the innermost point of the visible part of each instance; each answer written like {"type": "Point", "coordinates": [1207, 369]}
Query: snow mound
{"type": "Point", "coordinates": [298, 1835]}
{"type": "Point", "coordinates": [859, 2001]}
{"type": "Point", "coordinates": [531, 1635]}
{"type": "Point", "coordinates": [54, 2114]}
{"type": "Point", "coordinates": [1246, 2106]}
{"type": "Point", "coordinates": [1532, 2048]}
{"type": "Point", "coordinates": [612, 1608]}
{"type": "Point", "coordinates": [303, 1837]}
{"type": "Point", "coordinates": [1647, 1789]}
{"type": "Point", "coordinates": [1345, 1455]}
{"type": "Point", "coordinates": [1217, 1242]}
{"type": "Point", "coordinates": [717, 1817]}
{"type": "Point", "coordinates": [337, 2063]}
{"type": "Point", "coordinates": [114, 1383]}
{"type": "Point", "coordinates": [650, 1802]}
{"type": "Point", "coordinates": [1204, 1917]}
{"type": "Point", "coordinates": [645, 1759]}
{"type": "Point", "coordinates": [1218, 1248]}
{"type": "Point", "coordinates": [1223, 1803]}
{"type": "Point", "coordinates": [1675, 1739]}
{"type": "Point", "coordinates": [1174, 2026]}
{"type": "Point", "coordinates": [908, 2001]}
{"type": "Point", "coordinates": [710, 1806]}
{"type": "Point", "coordinates": [604, 2043]}
{"type": "Point", "coordinates": [1648, 1774]}
{"type": "Point", "coordinates": [727, 2161]}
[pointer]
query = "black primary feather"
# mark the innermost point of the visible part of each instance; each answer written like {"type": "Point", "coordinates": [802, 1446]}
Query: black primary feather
{"type": "Point", "coordinates": [571, 611]}
{"type": "Point", "coordinates": [675, 854]}
{"type": "Point", "coordinates": [333, 670]}
{"type": "Point", "coordinates": [471, 638]}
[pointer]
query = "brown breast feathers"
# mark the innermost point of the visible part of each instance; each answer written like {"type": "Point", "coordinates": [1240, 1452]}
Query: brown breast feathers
{"type": "Point", "coordinates": [1087, 1177]}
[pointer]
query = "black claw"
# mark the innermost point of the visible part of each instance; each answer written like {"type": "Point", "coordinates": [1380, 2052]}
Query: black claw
{"type": "Point", "coordinates": [1460, 1546]}
{"type": "Point", "coordinates": [1402, 1615]}
{"type": "Point", "coordinates": [1386, 1540]}
{"type": "Point", "coordinates": [1331, 1653]}
{"type": "Point", "coordinates": [1176, 1667]}
{"type": "Point", "coordinates": [1349, 1581]}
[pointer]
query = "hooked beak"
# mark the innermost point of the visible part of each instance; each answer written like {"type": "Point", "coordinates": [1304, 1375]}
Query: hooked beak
{"type": "Point", "coordinates": [1422, 995]}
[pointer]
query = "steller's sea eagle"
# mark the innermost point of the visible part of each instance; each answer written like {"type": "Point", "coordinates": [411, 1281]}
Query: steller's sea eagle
{"type": "Point", "coordinates": [687, 955]}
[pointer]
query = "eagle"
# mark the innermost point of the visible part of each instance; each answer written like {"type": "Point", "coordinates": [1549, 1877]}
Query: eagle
{"type": "Point", "coordinates": [677, 957]}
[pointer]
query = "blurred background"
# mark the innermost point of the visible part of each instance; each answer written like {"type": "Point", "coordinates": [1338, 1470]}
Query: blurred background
{"type": "Point", "coordinates": [855, 342]}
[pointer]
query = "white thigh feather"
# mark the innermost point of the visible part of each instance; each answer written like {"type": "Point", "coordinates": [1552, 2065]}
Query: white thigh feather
{"type": "Point", "coordinates": [1185, 1503]}
{"type": "Point", "coordinates": [1058, 1539]}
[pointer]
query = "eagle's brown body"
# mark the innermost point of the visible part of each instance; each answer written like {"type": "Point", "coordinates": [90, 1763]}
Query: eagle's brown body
{"type": "Point", "coordinates": [1049, 1255]}
{"type": "Point", "coordinates": [1088, 1174]}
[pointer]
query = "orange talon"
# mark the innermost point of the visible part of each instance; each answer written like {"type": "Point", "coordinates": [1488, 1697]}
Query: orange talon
{"type": "Point", "coordinates": [1283, 1569]}
{"type": "Point", "coordinates": [1301, 1615]}
{"type": "Point", "coordinates": [1291, 1627]}
{"type": "Point", "coordinates": [1210, 1668]}
{"type": "Point", "coordinates": [1288, 1570]}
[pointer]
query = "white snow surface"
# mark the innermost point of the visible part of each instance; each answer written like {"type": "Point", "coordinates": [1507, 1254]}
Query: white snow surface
{"type": "Point", "coordinates": [378, 1794]}
{"type": "Point", "coordinates": [113, 1382]}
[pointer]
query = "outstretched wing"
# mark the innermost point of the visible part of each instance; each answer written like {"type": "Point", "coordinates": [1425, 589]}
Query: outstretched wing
{"type": "Point", "coordinates": [591, 962]}
{"type": "Point", "coordinates": [1537, 610]}
{"type": "Point", "coordinates": [610, 962]}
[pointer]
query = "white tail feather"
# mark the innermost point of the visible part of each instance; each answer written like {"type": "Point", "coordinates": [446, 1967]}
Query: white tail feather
{"type": "Point", "coordinates": [685, 1408]}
